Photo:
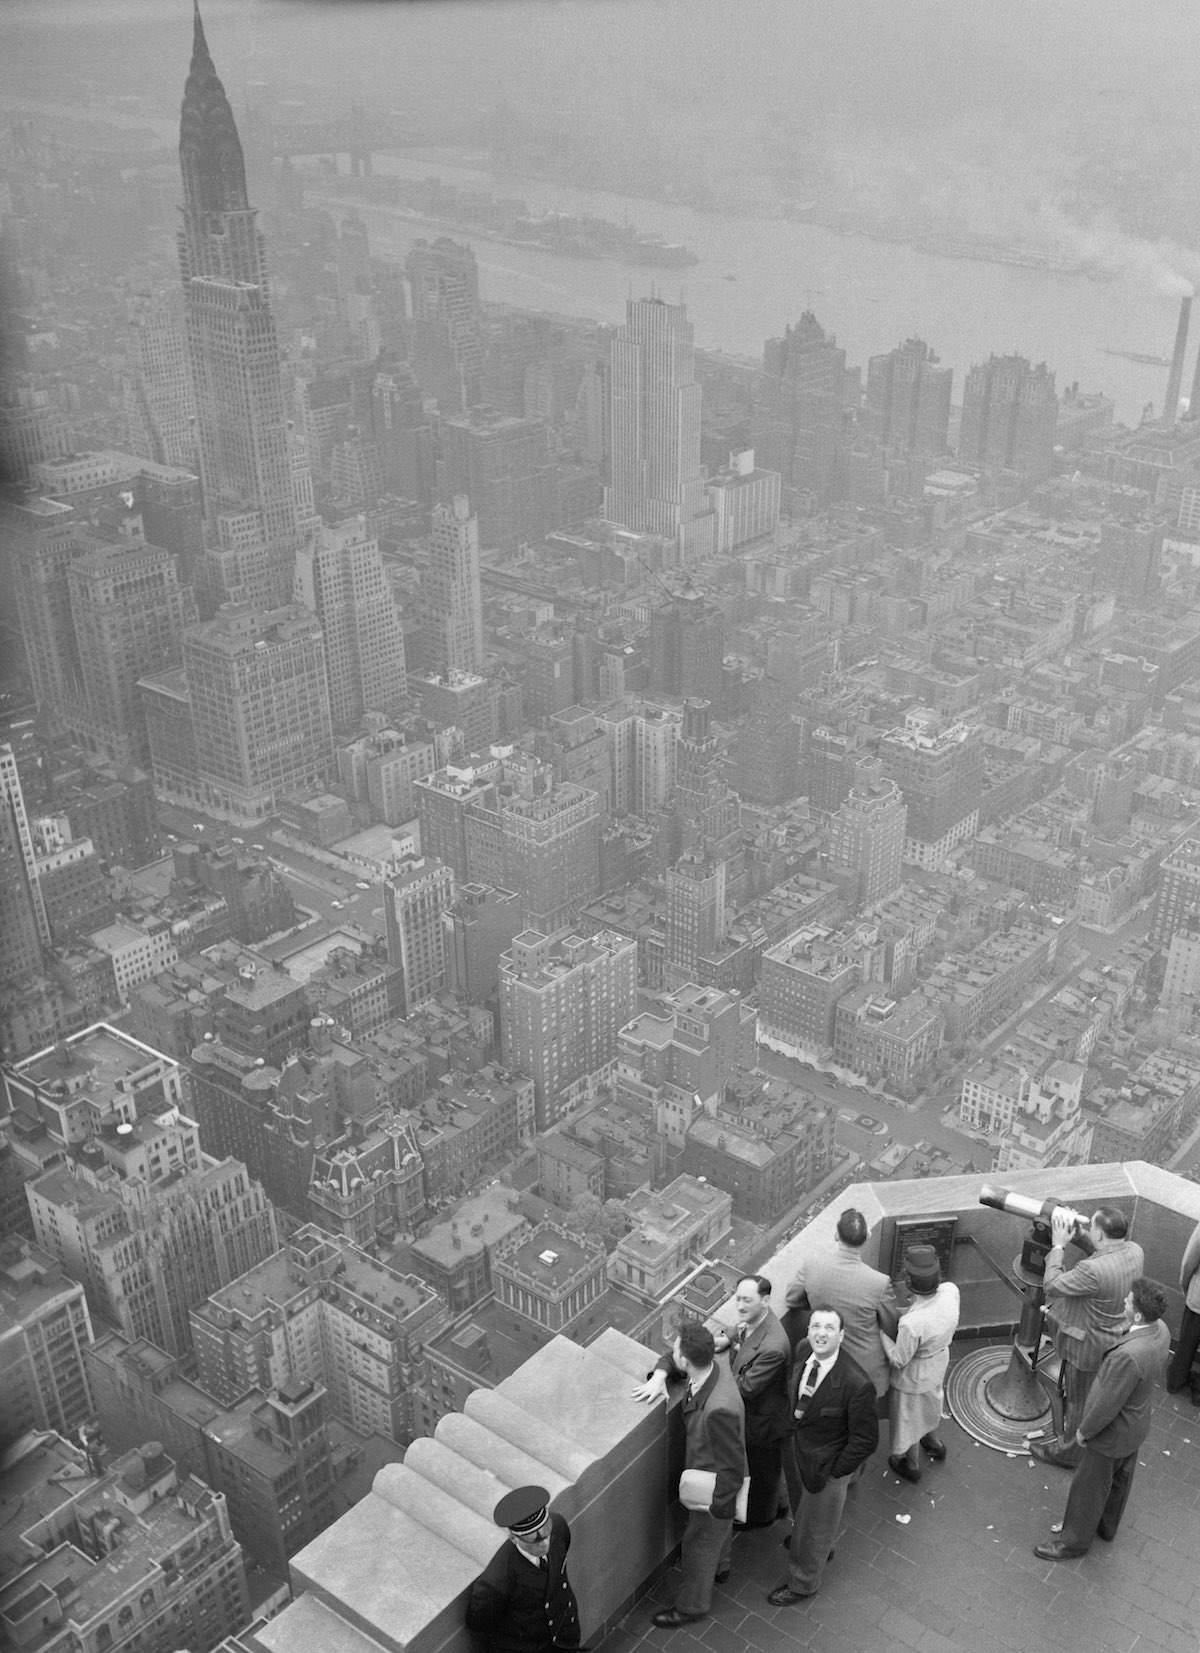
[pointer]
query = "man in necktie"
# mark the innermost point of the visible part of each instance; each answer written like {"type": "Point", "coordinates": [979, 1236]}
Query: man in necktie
{"type": "Point", "coordinates": [834, 1429]}
{"type": "Point", "coordinates": [523, 1601]}
{"type": "Point", "coordinates": [759, 1356]}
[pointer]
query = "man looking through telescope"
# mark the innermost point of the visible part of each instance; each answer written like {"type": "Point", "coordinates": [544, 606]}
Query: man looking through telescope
{"type": "Point", "coordinates": [1085, 1308]}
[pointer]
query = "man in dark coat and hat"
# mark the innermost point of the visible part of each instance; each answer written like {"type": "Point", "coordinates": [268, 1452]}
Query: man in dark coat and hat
{"type": "Point", "coordinates": [523, 1602]}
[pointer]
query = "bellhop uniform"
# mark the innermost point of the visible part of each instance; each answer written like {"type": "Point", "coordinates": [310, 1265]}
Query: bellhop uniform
{"type": "Point", "coordinates": [523, 1603]}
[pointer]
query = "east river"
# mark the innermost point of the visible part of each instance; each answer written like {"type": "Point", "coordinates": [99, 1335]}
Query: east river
{"type": "Point", "coordinates": [755, 275]}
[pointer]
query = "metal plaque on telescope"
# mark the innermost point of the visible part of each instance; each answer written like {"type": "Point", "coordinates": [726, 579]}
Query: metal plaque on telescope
{"type": "Point", "coordinates": [935, 1231]}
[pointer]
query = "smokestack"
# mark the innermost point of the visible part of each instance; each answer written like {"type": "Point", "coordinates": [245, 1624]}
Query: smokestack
{"type": "Point", "coordinates": [1194, 399]}
{"type": "Point", "coordinates": [1175, 378]}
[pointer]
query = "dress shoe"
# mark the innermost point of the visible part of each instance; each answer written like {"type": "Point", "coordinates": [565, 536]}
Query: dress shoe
{"type": "Point", "coordinates": [1057, 1551]}
{"type": "Point", "coordinates": [905, 1470]}
{"type": "Point", "coordinates": [721, 1578]}
{"type": "Point", "coordinates": [1050, 1455]}
{"type": "Point", "coordinates": [935, 1448]}
{"type": "Point", "coordinates": [671, 1618]}
{"type": "Point", "coordinates": [785, 1596]}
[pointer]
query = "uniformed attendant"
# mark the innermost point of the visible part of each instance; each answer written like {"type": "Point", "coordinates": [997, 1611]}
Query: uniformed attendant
{"type": "Point", "coordinates": [523, 1602]}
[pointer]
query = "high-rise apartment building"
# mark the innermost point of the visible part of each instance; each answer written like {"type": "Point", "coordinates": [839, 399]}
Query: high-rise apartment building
{"type": "Point", "coordinates": [562, 1005]}
{"type": "Point", "coordinates": [803, 977]}
{"type": "Point", "coordinates": [695, 914]}
{"type": "Point", "coordinates": [31, 429]}
{"type": "Point", "coordinates": [402, 424]}
{"type": "Point", "coordinates": [340, 576]}
{"type": "Point", "coordinates": [24, 928]}
{"type": "Point", "coordinates": [446, 800]}
{"type": "Point", "coordinates": [657, 485]}
{"type": "Point", "coordinates": [1177, 904]}
{"type": "Point", "coordinates": [938, 766]}
{"type": "Point", "coordinates": [908, 400]}
{"type": "Point", "coordinates": [129, 611]}
{"type": "Point", "coordinates": [687, 649]}
{"type": "Point", "coordinates": [44, 1329]}
{"type": "Point", "coordinates": [233, 354]}
{"type": "Point", "coordinates": [415, 901]}
{"type": "Point", "coordinates": [866, 838]}
{"type": "Point", "coordinates": [1009, 417]}
{"type": "Point", "coordinates": [549, 844]}
{"type": "Point", "coordinates": [147, 1222]}
{"type": "Point", "coordinates": [41, 535]}
{"type": "Point", "coordinates": [157, 387]}
{"type": "Point", "coordinates": [322, 1311]}
{"type": "Point", "coordinates": [451, 594]}
{"type": "Point", "coordinates": [447, 328]}
{"type": "Point", "coordinates": [259, 699]}
{"type": "Point", "coordinates": [503, 466]}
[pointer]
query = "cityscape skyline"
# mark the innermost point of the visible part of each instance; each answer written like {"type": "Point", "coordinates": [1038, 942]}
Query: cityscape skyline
{"type": "Point", "coordinates": [507, 813]}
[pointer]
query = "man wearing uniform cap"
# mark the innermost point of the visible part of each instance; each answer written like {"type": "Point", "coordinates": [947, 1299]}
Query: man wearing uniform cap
{"type": "Point", "coordinates": [523, 1602]}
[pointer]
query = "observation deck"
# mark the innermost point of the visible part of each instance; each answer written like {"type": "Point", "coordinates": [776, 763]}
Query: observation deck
{"type": "Point", "coordinates": [943, 1567]}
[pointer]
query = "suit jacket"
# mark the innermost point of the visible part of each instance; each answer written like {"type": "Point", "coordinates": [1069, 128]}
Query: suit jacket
{"type": "Point", "coordinates": [760, 1369]}
{"type": "Point", "coordinates": [1189, 1272]}
{"type": "Point", "coordinates": [519, 1607]}
{"type": "Point", "coordinates": [1086, 1304]}
{"type": "Point", "coordinates": [839, 1429]}
{"type": "Point", "coordinates": [715, 1422]}
{"type": "Point", "coordinates": [864, 1297]}
{"type": "Point", "coordinates": [1116, 1419]}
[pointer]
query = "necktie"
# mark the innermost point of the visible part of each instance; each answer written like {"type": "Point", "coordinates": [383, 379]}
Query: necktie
{"type": "Point", "coordinates": [808, 1385]}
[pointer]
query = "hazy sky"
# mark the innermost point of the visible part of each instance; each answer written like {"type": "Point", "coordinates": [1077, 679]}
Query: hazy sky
{"type": "Point", "coordinates": [1005, 114]}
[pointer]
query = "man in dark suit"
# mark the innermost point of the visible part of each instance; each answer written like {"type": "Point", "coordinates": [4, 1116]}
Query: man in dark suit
{"type": "Point", "coordinates": [522, 1602]}
{"type": "Point", "coordinates": [864, 1296]}
{"type": "Point", "coordinates": [1085, 1307]}
{"type": "Point", "coordinates": [835, 1429]}
{"type": "Point", "coordinates": [759, 1356]}
{"type": "Point", "coordinates": [1115, 1422]}
{"type": "Point", "coordinates": [715, 1425]}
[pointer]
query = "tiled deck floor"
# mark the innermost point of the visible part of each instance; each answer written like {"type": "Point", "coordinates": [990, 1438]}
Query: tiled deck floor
{"type": "Point", "coordinates": [960, 1576]}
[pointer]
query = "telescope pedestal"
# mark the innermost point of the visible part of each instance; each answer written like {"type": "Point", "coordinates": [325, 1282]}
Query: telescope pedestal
{"type": "Point", "coordinates": [996, 1393]}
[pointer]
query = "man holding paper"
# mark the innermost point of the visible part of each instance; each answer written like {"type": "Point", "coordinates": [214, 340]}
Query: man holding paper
{"type": "Point", "coordinates": [714, 1466]}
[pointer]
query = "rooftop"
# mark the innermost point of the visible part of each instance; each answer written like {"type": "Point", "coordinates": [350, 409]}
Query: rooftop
{"type": "Point", "coordinates": [946, 1567]}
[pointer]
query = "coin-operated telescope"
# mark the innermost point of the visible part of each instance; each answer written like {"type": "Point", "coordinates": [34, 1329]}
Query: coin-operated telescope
{"type": "Point", "coordinates": [1041, 1214]}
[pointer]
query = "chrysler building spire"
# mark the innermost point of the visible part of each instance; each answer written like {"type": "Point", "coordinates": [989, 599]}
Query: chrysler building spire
{"type": "Point", "coordinates": [210, 151]}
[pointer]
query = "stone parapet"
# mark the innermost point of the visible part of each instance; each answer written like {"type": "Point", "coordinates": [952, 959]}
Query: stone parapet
{"type": "Point", "coordinates": [391, 1575]}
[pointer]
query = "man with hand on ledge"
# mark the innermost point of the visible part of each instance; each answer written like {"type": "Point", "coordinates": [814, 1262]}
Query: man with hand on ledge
{"type": "Point", "coordinates": [714, 1420]}
{"type": "Point", "coordinates": [759, 1357]}
{"type": "Point", "coordinates": [1115, 1422]}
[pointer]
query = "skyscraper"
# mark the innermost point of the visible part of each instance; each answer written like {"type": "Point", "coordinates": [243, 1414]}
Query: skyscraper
{"type": "Point", "coordinates": [340, 576]}
{"type": "Point", "coordinates": [502, 464]}
{"type": "Point", "coordinates": [129, 611]}
{"type": "Point", "coordinates": [866, 837]}
{"type": "Point", "coordinates": [233, 353]}
{"type": "Point", "coordinates": [804, 376]}
{"type": "Point", "coordinates": [1009, 418]}
{"type": "Point", "coordinates": [259, 707]}
{"type": "Point", "coordinates": [157, 390]}
{"type": "Point", "coordinates": [447, 330]}
{"type": "Point", "coordinates": [147, 1222]}
{"type": "Point", "coordinates": [687, 649]}
{"type": "Point", "coordinates": [938, 766]}
{"type": "Point", "coordinates": [657, 486]}
{"type": "Point", "coordinates": [415, 898]}
{"type": "Point", "coordinates": [42, 543]}
{"type": "Point", "coordinates": [451, 595]}
{"type": "Point", "coordinates": [562, 1005]}
{"type": "Point", "coordinates": [695, 914]}
{"type": "Point", "coordinates": [23, 926]}
{"type": "Point", "coordinates": [908, 399]}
